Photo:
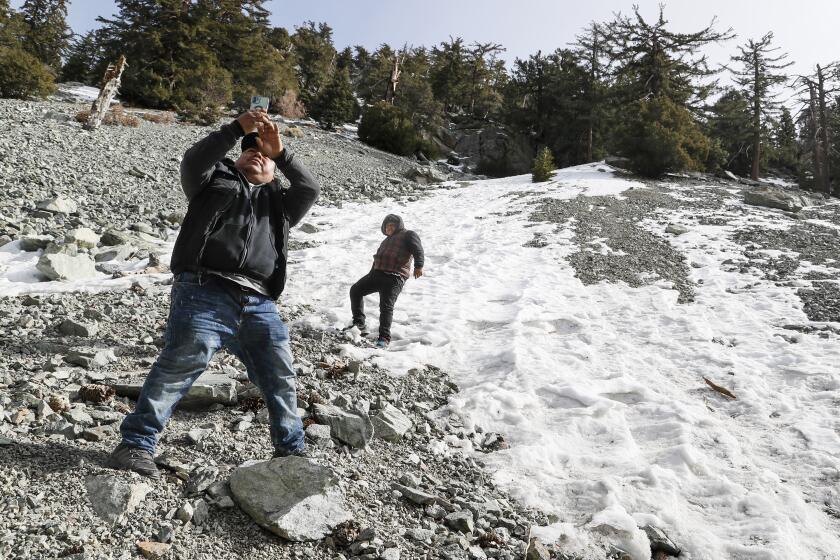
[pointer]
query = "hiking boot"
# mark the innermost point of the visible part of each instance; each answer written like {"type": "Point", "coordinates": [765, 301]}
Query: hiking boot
{"type": "Point", "coordinates": [363, 330]}
{"type": "Point", "coordinates": [382, 342]}
{"type": "Point", "coordinates": [299, 452]}
{"type": "Point", "coordinates": [127, 458]}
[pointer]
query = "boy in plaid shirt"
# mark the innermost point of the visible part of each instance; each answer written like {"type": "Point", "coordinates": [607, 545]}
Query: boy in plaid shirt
{"type": "Point", "coordinates": [391, 268]}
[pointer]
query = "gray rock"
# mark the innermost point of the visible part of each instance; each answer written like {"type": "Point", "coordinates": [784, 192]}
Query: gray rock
{"type": "Point", "coordinates": [185, 512]}
{"type": "Point", "coordinates": [59, 266]}
{"type": "Point", "coordinates": [90, 358]}
{"type": "Point", "coordinates": [415, 495]}
{"type": "Point", "coordinates": [78, 416]}
{"type": "Point", "coordinates": [113, 498]}
{"type": "Point", "coordinates": [201, 479]}
{"type": "Point", "coordinates": [460, 521]}
{"type": "Point", "coordinates": [113, 237]}
{"type": "Point", "coordinates": [210, 388]}
{"type": "Point", "coordinates": [308, 228]}
{"type": "Point", "coordinates": [390, 554]}
{"type": "Point", "coordinates": [660, 542]}
{"type": "Point", "coordinates": [391, 424]}
{"type": "Point", "coordinates": [291, 497]}
{"type": "Point", "coordinates": [420, 535]}
{"type": "Point", "coordinates": [537, 550]}
{"type": "Point", "coordinates": [200, 512]}
{"type": "Point", "coordinates": [319, 432]}
{"type": "Point", "coordinates": [353, 428]}
{"type": "Point", "coordinates": [58, 205]}
{"type": "Point", "coordinates": [774, 197]}
{"type": "Point", "coordinates": [35, 242]}
{"type": "Point", "coordinates": [115, 253]}
{"type": "Point", "coordinates": [71, 327]}
{"type": "Point", "coordinates": [676, 229]}
{"type": "Point", "coordinates": [425, 175]}
{"type": "Point", "coordinates": [82, 237]}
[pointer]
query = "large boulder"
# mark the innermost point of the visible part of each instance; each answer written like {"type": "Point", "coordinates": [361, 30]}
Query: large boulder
{"type": "Point", "coordinates": [353, 427]}
{"type": "Point", "coordinates": [494, 151]}
{"type": "Point", "coordinates": [292, 497]}
{"type": "Point", "coordinates": [774, 197]}
{"type": "Point", "coordinates": [61, 266]}
{"type": "Point", "coordinates": [113, 498]}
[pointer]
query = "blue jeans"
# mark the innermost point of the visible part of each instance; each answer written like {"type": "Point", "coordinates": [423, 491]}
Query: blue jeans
{"type": "Point", "coordinates": [203, 318]}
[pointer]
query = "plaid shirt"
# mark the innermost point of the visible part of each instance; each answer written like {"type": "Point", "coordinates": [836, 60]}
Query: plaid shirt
{"type": "Point", "coordinates": [396, 251]}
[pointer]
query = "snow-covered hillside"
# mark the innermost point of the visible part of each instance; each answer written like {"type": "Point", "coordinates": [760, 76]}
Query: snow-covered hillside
{"type": "Point", "coordinates": [598, 385]}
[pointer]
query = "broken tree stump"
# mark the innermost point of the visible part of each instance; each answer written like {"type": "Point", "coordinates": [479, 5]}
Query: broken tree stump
{"type": "Point", "coordinates": [110, 85]}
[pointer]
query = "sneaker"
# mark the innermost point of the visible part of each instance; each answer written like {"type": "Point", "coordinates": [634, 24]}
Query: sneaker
{"type": "Point", "coordinates": [127, 458]}
{"type": "Point", "coordinates": [363, 330]}
{"type": "Point", "coordinates": [382, 342]}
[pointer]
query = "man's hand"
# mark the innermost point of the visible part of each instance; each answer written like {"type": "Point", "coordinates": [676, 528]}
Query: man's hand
{"type": "Point", "coordinates": [418, 272]}
{"type": "Point", "coordinates": [249, 119]}
{"type": "Point", "coordinates": [269, 141]}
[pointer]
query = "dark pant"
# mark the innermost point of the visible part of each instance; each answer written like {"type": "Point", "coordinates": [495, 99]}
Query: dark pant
{"type": "Point", "coordinates": [203, 318]}
{"type": "Point", "coordinates": [389, 287]}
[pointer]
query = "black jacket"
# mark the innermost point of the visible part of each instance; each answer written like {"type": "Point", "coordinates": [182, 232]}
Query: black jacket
{"type": "Point", "coordinates": [230, 227]}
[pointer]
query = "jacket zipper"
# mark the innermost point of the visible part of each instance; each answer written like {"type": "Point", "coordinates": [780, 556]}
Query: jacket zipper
{"type": "Point", "coordinates": [250, 225]}
{"type": "Point", "coordinates": [210, 229]}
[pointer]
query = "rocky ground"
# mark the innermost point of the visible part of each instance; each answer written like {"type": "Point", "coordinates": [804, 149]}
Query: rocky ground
{"type": "Point", "coordinates": [92, 198]}
{"type": "Point", "coordinates": [615, 243]}
{"type": "Point", "coordinates": [395, 483]}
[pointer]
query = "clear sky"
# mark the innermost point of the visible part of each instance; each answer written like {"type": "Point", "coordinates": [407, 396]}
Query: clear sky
{"type": "Point", "coordinates": [807, 29]}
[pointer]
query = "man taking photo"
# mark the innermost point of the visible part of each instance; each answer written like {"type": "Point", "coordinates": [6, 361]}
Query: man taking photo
{"type": "Point", "coordinates": [229, 264]}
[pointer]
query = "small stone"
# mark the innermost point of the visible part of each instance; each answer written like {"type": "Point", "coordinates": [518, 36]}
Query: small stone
{"type": "Point", "coordinates": [185, 512]}
{"type": "Point", "coordinates": [676, 229]}
{"type": "Point", "coordinates": [200, 512]}
{"type": "Point", "coordinates": [460, 521]}
{"type": "Point", "coordinates": [83, 237]}
{"type": "Point", "coordinates": [308, 228]}
{"type": "Point", "coordinates": [35, 242]}
{"type": "Point", "coordinates": [537, 550]}
{"type": "Point", "coordinates": [153, 550]}
{"type": "Point", "coordinates": [58, 205]}
{"type": "Point", "coordinates": [71, 327]}
{"type": "Point", "coordinates": [391, 424]}
{"type": "Point", "coordinates": [351, 427]}
{"type": "Point", "coordinates": [390, 554]}
{"type": "Point", "coordinates": [415, 495]}
{"type": "Point", "coordinates": [113, 498]}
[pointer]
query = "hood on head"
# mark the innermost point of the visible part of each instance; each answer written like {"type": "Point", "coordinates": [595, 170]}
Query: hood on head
{"type": "Point", "coordinates": [392, 219]}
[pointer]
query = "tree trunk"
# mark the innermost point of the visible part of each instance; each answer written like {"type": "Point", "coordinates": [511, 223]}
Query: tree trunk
{"type": "Point", "coordinates": [392, 82]}
{"type": "Point", "coordinates": [756, 162]}
{"type": "Point", "coordinates": [815, 130]}
{"type": "Point", "coordinates": [826, 142]}
{"type": "Point", "coordinates": [110, 85]}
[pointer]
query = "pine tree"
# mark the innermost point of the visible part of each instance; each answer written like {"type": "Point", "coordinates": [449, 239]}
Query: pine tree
{"type": "Point", "coordinates": [730, 124]}
{"type": "Point", "coordinates": [47, 35]}
{"type": "Point", "coordinates": [759, 73]}
{"type": "Point", "coordinates": [388, 128]}
{"type": "Point", "coordinates": [449, 74]}
{"type": "Point", "coordinates": [336, 103]}
{"type": "Point", "coordinates": [82, 57]}
{"type": "Point", "coordinates": [784, 148]}
{"type": "Point", "coordinates": [171, 63]}
{"type": "Point", "coordinates": [590, 53]}
{"type": "Point", "coordinates": [543, 166]}
{"type": "Point", "coordinates": [661, 82]}
{"type": "Point", "coordinates": [315, 55]}
{"type": "Point", "coordinates": [21, 74]}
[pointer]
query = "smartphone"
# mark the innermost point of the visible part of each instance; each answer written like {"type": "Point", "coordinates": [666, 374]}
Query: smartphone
{"type": "Point", "coordinates": [259, 102]}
